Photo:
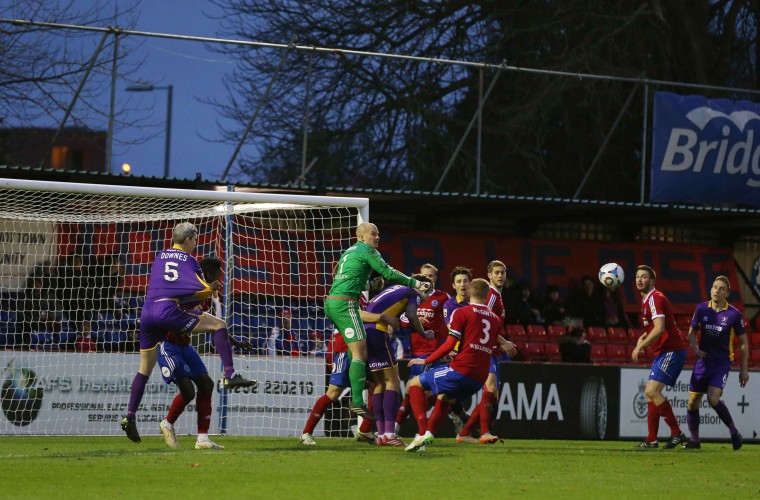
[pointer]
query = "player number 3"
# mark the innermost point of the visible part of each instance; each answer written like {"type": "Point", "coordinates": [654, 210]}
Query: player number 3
{"type": "Point", "coordinates": [486, 336]}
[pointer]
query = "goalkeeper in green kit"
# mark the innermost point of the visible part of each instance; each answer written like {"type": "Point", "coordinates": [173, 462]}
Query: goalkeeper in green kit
{"type": "Point", "coordinates": [342, 303]}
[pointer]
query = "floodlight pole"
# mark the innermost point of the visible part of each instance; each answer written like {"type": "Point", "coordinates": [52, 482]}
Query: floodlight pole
{"type": "Point", "coordinates": [147, 87]}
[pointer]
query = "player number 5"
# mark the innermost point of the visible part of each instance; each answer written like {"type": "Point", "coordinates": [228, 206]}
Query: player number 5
{"type": "Point", "coordinates": [170, 271]}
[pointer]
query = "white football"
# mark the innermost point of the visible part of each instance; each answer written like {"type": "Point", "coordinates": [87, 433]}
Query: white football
{"type": "Point", "coordinates": [611, 275]}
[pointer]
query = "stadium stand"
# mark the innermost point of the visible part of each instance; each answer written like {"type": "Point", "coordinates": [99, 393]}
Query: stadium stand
{"type": "Point", "coordinates": [556, 331]}
{"type": "Point", "coordinates": [516, 332]}
{"type": "Point", "coordinates": [537, 333]}
{"type": "Point", "coordinates": [596, 334]}
{"type": "Point", "coordinates": [617, 334]}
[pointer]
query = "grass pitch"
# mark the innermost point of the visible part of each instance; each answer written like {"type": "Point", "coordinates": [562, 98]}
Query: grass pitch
{"type": "Point", "coordinates": [113, 467]}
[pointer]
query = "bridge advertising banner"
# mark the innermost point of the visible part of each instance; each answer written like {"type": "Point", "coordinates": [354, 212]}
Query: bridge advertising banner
{"type": "Point", "coordinates": [705, 150]}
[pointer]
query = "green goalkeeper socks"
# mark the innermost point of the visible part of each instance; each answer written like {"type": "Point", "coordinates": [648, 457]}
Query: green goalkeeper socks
{"type": "Point", "coordinates": [357, 373]}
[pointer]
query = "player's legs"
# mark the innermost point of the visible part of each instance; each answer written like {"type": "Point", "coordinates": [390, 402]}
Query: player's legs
{"type": "Point", "coordinates": [418, 401]}
{"type": "Point", "coordinates": [488, 402]}
{"type": "Point", "coordinates": [221, 341]}
{"type": "Point", "coordinates": [345, 316]}
{"type": "Point", "coordinates": [338, 381]}
{"type": "Point", "coordinates": [492, 386]}
{"type": "Point", "coordinates": [210, 323]}
{"type": "Point", "coordinates": [179, 403]}
{"type": "Point", "coordinates": [711, 380]}
{"type": "Point", "coordinates": [483, 410]}
{"type": "Point", "coordinates": [381, 358]}
{"type": "Point", "coordinates": [137, 390]}
{"type": "Point", "coordinates": [713, 398]}
{"type": "Point", "coordinates": [203, 407]}
{"type": "Point", "coordinates": [182, 399]}
{"type": "Point", "coordinates": [439, 381]}
{"type": "Point", "coordinates": [391, 400]}
{"type": "Point", "coordinates": [665, 370]}
{"type": "Point", "coordinates": [692, 416]}
{"type": "Point", "coordinates": [156, 319]}
{"type": "Point", "coordinates": [319, 409]}
{"type": "Point", "coordinates": [440, 409]}
{"type": "Point", "coordinates": [698, 385]}
{"type": "Point", "coordinates": [377, 395]}
{"type": "Point", "coordinates": [147, 363]}
{"type": "Point", "coordinates": [405, 408]}
{"type": "Point", "coordinates": [357, 370]}
{"type": "Point", "coordinates": [443, 381]}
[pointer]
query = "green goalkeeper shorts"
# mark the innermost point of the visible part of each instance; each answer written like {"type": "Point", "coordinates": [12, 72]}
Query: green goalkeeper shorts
{"type": "Point", "coordinates": [344, 313]}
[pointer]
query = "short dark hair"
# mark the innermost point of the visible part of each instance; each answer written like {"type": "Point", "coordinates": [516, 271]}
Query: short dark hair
{"type": "Point", "coordinates": [211, 267]}
{"type": "Point", "coordinates": [652, 274]}
{"type": "Point", "coordinates": [576, 332]}
{"type": "Point", "coordinates": [460, 270]}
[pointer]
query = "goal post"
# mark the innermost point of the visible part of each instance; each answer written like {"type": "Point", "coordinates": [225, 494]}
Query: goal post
{"type": "Point", "coordinates": [74, 271]}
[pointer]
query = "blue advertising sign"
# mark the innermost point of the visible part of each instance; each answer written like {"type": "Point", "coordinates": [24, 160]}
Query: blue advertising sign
{"type": "Point", "coordinates": [705, 150]}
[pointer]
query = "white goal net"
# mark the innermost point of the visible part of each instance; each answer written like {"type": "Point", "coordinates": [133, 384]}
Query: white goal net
{"type": "Point", "coordinates": [73, 276]}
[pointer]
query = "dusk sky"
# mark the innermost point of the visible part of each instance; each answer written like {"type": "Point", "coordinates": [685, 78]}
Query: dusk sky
{"type": "Point", "coordinates": [195, 73]}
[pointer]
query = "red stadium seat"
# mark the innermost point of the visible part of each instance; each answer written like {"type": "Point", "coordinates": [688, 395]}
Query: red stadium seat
{"type": "Point", "coordinates": [617, 353]}
{"type": "Point", "coordinates": [617, 334]}
{"type": "Point", "coordinates": [645, 357]}
{"type": "Point", "coordinates": [596, 334]}
{"type": "Point", "coordinates": [754, 356]}
{"type": "Point", "coordinates": [683, 320]}
{"type": "Point", "coordinates": [535, 351]}
{"type": "Point", "coordinates": [634, 334]}
{"type": "Point", "coordinates": [748, 327]}
{"type": "Point", "coordinates": [556, 331]}
{"type": "Point", "coordinates": [522, 350]}
{"type": "Point", "coordinates": [552, 351]}
{"type": "Point", "coordinates": [599, 353]}
{"type": "Point", "coordinates": [537, 332]}
{"type": "Point", "coordinates": [516, 332]}
{"type": "Point", "coordinates": [754, 339]}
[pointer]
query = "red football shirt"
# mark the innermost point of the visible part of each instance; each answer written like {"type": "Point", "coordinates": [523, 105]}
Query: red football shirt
{"type": "Point", "coordinates": [476, 328]}
{"type": "Point", "coordinates": [495, 302]}
{"type": "Point", "coordinates": [656, 305]}
{"type": "Point", "coordinates": [431, 310]}
{"type": "Point", "coordinates": [338, 344]}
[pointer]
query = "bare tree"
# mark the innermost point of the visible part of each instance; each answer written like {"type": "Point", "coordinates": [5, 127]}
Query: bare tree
{"type": "Point", "coordinates": [382, 122]}
{"type": "Point", "coordinates": [42, 68]}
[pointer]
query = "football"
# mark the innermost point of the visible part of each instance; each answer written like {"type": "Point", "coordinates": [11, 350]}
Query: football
{"type": "Point", "coordinates": [611, 275]}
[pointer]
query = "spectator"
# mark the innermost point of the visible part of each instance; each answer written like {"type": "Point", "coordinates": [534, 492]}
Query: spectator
{"type": "Point", "coordinates": [574, 348]}
{"type": "Point", "coordinates": [521, 310]}
{"type": "Point", "coordinates": [553, 307]}
{"type": "Point", "coordinates": [280, 338]}
{"type": "Point", "coordinates": [317, 345]}
{"type": "Point", "coordinates": [73, 290]}
{"type": "Point", "coordinates": [84, 341]}
{"type": "Point", "coordinates": [105, 280]}
{"type": "Point", "coordinates": [38, 310]}
{"type": "Point", "coordinates": [613, 307]}
{"type": "Point", "coordinates": [509, 290]}
{"type": "Point", "coordinates": [588, 304]}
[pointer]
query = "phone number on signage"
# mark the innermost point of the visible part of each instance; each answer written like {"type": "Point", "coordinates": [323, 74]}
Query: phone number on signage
{"type": "Point", "coordinates": [278, 387]}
